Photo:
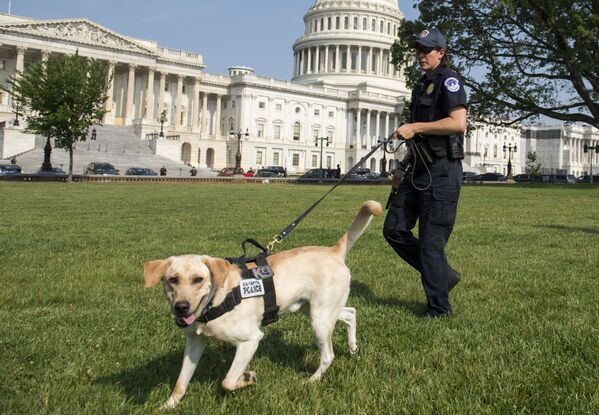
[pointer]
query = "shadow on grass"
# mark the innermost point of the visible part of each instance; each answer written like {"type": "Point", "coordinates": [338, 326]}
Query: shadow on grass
{"type": "Point", "coordinates": [364, 292]}
{"type": "Point", "coordinates": [137, 383]}
{"type": "Point", "coordinates": [588, 230]}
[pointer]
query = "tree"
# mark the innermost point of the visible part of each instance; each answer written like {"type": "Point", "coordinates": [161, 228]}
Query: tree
{"type": "Point", "coordinates": [532, 167]}
{"type": "Point", "coordinates": [520, 59]}
{"type": "Point", "coordinates": [65, 96]}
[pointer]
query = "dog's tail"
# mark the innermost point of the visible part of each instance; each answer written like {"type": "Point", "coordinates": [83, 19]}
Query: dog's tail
{"type": "Point", "coordinates": [369, 208]}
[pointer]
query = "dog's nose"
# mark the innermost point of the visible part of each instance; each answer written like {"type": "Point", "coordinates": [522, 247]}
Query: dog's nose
{"type": "Point", "coordinates": [182, 307]}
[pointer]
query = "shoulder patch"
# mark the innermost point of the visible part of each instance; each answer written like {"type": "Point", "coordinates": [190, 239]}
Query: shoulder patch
{"type": "Point", "coordinates": [452, 84]}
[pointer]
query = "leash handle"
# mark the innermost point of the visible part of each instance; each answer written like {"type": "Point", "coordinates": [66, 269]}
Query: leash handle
{"type": "Point", "coordinates": [253, 242]}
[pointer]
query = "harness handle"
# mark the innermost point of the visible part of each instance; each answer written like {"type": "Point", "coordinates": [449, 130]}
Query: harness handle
{"type": "Point", "coordinates": [253, 242]}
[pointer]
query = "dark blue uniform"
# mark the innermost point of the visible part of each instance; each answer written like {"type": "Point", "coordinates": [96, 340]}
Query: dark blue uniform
{"type": "Point", "coordinates": [435, 206]}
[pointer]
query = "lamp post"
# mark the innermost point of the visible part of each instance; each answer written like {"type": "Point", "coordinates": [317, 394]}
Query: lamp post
{"type": "Point", "coordinates": [17, 107]}
{"type": "Point", "coordinates": [509, 148]}
{"type": "Point", "coordinates": [94, 134]}
{"type": "Point", "coordinates": [162, 121]}
{"type": "Point", "coordinates": [316, 141]}
{"type": "Point", "coordinates": [239, 134]}
{"type": "Point", "coordinates": [384, 160]}
{"type": "Point", "coordinates": [586, 149]}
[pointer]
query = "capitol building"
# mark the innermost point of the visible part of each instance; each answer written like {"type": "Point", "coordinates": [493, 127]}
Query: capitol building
{"type": "Point", "coordinates": [344, 89]}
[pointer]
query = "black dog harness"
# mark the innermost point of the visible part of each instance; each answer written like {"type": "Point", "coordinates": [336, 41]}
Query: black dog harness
{"type": "Point", "coordinates": [255, 282]}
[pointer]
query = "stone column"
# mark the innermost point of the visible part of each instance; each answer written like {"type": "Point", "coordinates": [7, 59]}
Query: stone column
{"type": "Point", "coordinates": [196, 105]}
{"type": "Point", "coordinates": [130, 92]}
{"type": "Point", "coordinates": [217, 130]}
{"type": "Point", "coordinates": [326, 59]}
{"type": "Point", "coordinates": [380, 63]}
{"type": "Point", "coordinates": [308, 69]}
{"type": "Point", "coordinates": [178, 101]}
{"type": "Point", "coordinates": [368, 133]}
{"type": "Point", "coordinates": [20, 65]}
{"type": "Point", "coordinates": [387, 132]}
{"type": "Point", "coordinates": [161, 87]}
{"type": "Point", "coordinates": [337, 60]}
{"type": "Point", "coordinates": [358, 127]}
{"type": "Point", "coordinates": [150, 95]}
{"type": "Point", "coordinates": [109, 104]}
{"type": "Point", "coordinates": [377, 132]}
{"type": "Point", "coordinates": [204, 110]}
{"type": "Point", "coordinates": [369, 68]}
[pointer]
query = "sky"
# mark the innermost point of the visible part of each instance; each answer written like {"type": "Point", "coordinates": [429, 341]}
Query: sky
{"type": "Point", "coordinates": [255, 33]}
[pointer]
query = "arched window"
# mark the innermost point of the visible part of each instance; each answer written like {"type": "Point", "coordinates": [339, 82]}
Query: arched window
{"type": "Point", "coordinates": [373, 164]}
{"type": "Point", "coordinates": [297, 131]}
{"type": "Point", "coordinates": [495, 151]}
{"type": "Point", "coordinates": [355, 23]}
{"type": "Point", "coordinates": [373, 26]}
{"type": "Point", "coordinates": [210, 158]}
{"type": "Point", "coordinates": [186, 153]}
{"type": "Point", "coordinates": [364, 24]}
{"type": "Point", "coordinates": [382, 27]}
{"type": "Point", "coordinates": [346, 22]}
{"type": "Point", "coordinates": [388, 28]}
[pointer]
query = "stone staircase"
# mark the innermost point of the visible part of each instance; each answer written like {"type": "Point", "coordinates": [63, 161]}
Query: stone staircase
{"type": "Point", "coordinates": [117, 145]}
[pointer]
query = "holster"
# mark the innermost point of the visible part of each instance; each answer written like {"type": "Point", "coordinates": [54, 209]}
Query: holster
{"type": "Point", "coordinates": [456, 147]}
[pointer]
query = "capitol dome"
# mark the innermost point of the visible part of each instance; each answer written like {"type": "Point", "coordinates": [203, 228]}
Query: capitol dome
{"type": "Point", "coordinates": [347, 45]}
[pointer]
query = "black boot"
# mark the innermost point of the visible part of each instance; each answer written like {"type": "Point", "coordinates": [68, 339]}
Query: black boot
{"type": "Point", "coordinates": [454, 278]}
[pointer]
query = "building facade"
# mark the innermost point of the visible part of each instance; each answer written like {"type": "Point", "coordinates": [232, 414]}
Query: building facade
{"type": "Point", "coordinates": [343, 88]}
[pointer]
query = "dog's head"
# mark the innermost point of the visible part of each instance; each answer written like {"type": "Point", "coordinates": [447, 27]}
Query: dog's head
{"type": "Point", "coordinates": [189, 283]}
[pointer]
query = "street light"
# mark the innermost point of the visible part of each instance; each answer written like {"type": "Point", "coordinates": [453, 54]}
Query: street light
{"type": "Point", "coordinates": [316, 141]}
{"type": "Point", "coordinates": [94, 134]}
{"type": "Point", "coordinates": [384, 160]}
{"type": "Point", "coordinates": [17, 107]}
{"type": "Point", "coordinates": [586, 149]}
{"type": "Point", "coordinates": [509, 160]}
{"type": "Point", "coordinates": [239, 134]}
{"type": "Point", "coordinates": [162, 121]}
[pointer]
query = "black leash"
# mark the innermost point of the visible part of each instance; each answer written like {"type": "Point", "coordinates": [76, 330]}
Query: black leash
{"type": "Point", "coordinates": [281, 236]}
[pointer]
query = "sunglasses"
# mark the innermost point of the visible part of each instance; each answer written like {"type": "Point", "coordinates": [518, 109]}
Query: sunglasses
{"type": "Point", "coordinates": [424, 50]}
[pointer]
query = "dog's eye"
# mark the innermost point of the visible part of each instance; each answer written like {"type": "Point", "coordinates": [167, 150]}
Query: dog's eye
{"type": "Point", "coordinates": [197, 280]}
{"type": "Point", "coordinates": [173, 280]}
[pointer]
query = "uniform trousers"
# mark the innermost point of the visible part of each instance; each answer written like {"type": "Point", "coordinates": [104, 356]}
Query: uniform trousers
{"type": "Point", "coordinates": [435, 210]}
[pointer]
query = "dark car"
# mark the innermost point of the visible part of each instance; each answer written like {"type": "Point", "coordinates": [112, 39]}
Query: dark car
{"type": "Point", "coordinates": [373, 176]}
{"type": "Point", "coordinates": [10, 169]}
{"type": "Point", "coordinates": [467, 174]}
{"type": "Point", "coordinates": [528, 178]}
{"type": "Point", "coordinates": [266, 173]}
{"type": "Point", "coordinates": [228, 172]}
{"type": "Point", "coordinates": [56, 171]}
{"type": "Point", "coordinates": [140, 171]}
{"type": "Point", "coordinates": [561, 178]}
{"type": "Point", "coordinates": [493, 177]}
{"type": "Point", "coordinates": [314, 174]}
{"type": "Point", "coordinates": [473, 179]}
{"type": "Point", "coordinates": [362, 171]}
{"type": "Point", "coordinates": [587, 179]}
{"type": "Point", "coordinates": [277, 170]}
{"type": "Point", "coordinates": [101, 169]}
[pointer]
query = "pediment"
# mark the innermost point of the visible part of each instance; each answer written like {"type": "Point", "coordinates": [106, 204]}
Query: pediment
{"type": "Point", "coordinates": [78, 31]}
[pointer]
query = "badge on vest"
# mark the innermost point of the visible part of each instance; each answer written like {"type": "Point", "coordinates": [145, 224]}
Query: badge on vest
{"type": "Point", "coordinates": [251, 288]}
{"type": "Point", "coordinates": [430, 89]}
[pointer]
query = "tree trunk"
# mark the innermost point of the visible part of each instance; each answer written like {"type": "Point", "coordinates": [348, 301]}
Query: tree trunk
{"type": "Point", "coordinates": [70, 179]}
{"type": "Point", "coordinates": [47, 165]}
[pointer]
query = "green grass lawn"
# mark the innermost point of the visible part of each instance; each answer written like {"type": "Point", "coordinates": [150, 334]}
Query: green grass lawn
{"type": "Point", "coordinates": [79, 333]}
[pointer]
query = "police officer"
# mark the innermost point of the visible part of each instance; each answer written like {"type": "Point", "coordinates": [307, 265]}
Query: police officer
{"type": "Point", "coordinates": [430, 190]}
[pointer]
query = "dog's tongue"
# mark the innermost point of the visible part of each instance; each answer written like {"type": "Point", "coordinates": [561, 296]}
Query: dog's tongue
{"type": "Point", "coordinates": [189, 319]}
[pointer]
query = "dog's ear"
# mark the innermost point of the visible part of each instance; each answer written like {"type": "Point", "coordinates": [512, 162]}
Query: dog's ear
{"type": "Point", "coordinates": [153, 272]}
{"type": "Point", "coordinates": [219, 268]}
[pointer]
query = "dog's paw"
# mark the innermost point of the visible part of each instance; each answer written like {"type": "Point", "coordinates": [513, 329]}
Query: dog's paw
{"type": "Point", "coordinates": [170, 404]}
{"type": "Point", "coordinates": [249, 378]}
{"type": "Point", "coordinates": [353, 350]}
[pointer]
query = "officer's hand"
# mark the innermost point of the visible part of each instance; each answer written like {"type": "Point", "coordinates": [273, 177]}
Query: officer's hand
{"type": "Point", "coordinates": [405, 132]}
{"type": "Point", "coordinates": [397, 178]}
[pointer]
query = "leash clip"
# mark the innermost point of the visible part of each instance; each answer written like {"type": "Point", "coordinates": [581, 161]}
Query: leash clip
{"type": "Point", "coordinates": [277, 239]}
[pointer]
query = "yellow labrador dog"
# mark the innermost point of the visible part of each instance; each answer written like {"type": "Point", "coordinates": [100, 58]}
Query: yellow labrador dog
{"type": "Point", "coordinates": [313, 279]}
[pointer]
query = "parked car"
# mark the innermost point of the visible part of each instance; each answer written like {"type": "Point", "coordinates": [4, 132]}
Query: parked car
{"type": "Point", "coordinates": [587, 179]}
{"type": "Point", "coordinates": [473, 179]}
{"type": "Point", "coordinates": [372, 176]}
{"type": "Point", "coordinates": [101, 169]}
{"type": "Point", "coordinates": [140, 171]}
{"type": "Point", "coordinates": [467, 174]}
{"type": "Point", "coordinates": [528, 178]}
{"type": "Point", "coordinates": [9, 169]}
{"type": "Point", "coordinates": [362, 171]}
{"type": "Point", "coordinates": [56, 171]}
{"type": "Point", "coordinates": [266, 173]}
{"type": "Point", "coordinates": [277, 170]}
{"type": "Point", "coordinates": [314, 174]}
{"type": "Point", "coordinates": [493, 177]}
{"type": "Point", "coordinates": [561, 178]}
{"type": "Point", "coordinates": [228, 172]}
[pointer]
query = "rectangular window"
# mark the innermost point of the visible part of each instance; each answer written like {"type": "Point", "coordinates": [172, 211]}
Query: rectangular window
{"type": "Point", "coordinates": [315, 133]}
{"type": "Point", "coordinates": [330, 134]}
{"type": "Point", "coordinates": [329, 162]}
{"type": "Point", "coordinates": [225, 104]}
{"type": "Point", "coordinates": [279, 107]}
{"type": "Point", "coordinates": [295, 160]}
{"type": "Point", "coordinates": [277, 132]}
{"type": "Point", "coordinates": [260, 130]}
{"type": "Point", "coordinates": [337, 23]}
{"type": "Point", "coordinates": [232, 104]}
{"type": "Point", "coordinates": [317, 112]}
{"type": "Point", "coordinates": [314, 160]}
{"type": "Point", "coordinates": [331, 114]}
{"type": "Point", "coordinates": [259, 157]}
{"type": "Point", "coordinates": [166, 86]}
{"type": "Point", "coordinates": [275, 158]}
{"type": "Point", "coordinates": [262, 105]}
{"type": "Point", "coordinates": [329, 23]}
{"type": "Point", "coordinates": [296, 131]}
{"type": "Point", "coordinates": [2, 64]}
{"type": "Point", "coordinates": [183, 89]}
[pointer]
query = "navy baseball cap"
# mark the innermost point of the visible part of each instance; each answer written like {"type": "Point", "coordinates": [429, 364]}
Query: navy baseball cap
{"type": "Point", "coordinates": [430, 38]}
